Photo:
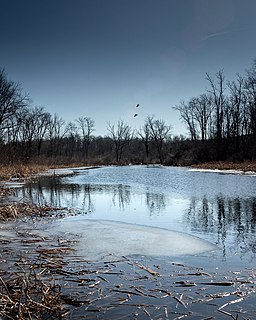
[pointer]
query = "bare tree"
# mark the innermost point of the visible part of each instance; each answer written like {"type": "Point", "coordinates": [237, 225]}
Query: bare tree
{"type": "Point", "coordinates": [11, 99]}
{"type": "Point", "coordinates": [144, 134]}
{"type": "Point", "coordinates": [72, 139]}
{"type": "Point", "coordinates": [237, 102]}
{"type": "Point", "coordinates": [217, 89]}
{"type": "Point", "coordinates": [42, 124]}
{"type": "Point", "coordinates": [10, 134]}
{"type": "Point", "coordinates": [56, 132]}
{"type": "Point", "coordinates": [187, 115]}
{"type": "Point", "coordinates": [121, 137]}
{"type": "Point", "coordinates": [201, 107]}
{"type": "Point", "coordinates": [10, 141]}
{"type": "Point", "coordinates": [250, 88]}
{"type": "Point", "coordinates": [86, 125]}
{"type": "Point", "coordinates": [160, 132]}
{"type": "Point", "coordinates": [27, 128]}
{"type": "Point", "coordinates": [33, 124]}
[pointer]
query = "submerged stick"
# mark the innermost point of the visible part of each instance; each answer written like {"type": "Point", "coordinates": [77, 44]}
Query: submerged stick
{"type": "Point", "coordinates": [152, 272]}
{"type": "Point", "coordinates": [5, 286]}
{"type": "Point", "coordinates": [218, 283]}
{"type": "Point", "coordinates": [180, 301]}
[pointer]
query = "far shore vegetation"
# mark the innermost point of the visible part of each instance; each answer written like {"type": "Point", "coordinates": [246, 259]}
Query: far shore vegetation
{"type": "Point", "coordinates": [221, 125]}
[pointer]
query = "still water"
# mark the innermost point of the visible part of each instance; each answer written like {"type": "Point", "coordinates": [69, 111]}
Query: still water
{"type": "Point", "coordinates": [217, 207]}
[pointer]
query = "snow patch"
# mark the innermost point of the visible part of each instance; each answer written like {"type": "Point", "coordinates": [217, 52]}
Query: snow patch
{"type": "Point", "coordinates": [228, 171]}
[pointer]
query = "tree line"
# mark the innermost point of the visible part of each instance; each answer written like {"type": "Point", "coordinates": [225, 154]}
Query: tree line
{"type": "Point", "coordinates": [221, 124]}
{"type": "Point", "coordinates": [224, 116]}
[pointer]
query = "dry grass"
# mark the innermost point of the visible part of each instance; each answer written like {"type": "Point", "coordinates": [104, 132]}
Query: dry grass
{"type": "Point", "coordinates": [244, 166]}
{"type": "Point", "coordinates": [20, 171]}
{"type": "Point", "coordinates": [51, 282]}
{"type": "Point", "coordinates": [17, 210]}
{"type": "Point", "coordinates": [4, 192]}
{"type": "Point", "coordinates": [29, 291]}
{"type": "Point", "coordinates": [23, 172]}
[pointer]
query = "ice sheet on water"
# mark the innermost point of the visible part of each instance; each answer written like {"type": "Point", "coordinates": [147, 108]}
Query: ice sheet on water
{"type": "Point", "coordinates": [99, 238]}
{"type": "Point", "coordinates": [227, 171]}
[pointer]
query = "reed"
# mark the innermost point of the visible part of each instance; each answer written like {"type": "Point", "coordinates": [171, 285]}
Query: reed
{"type": "Point", "coordinates": [20, 171]}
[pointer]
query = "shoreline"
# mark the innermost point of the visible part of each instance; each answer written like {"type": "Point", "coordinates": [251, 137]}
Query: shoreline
{"type": "Point", "coordinates": [245, 166]}
{"type": "Point", "coordinates": [22, 173]}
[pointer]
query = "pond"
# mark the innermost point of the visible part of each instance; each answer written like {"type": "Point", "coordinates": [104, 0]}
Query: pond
{"type": "Point", "coordinates": [214, 206]}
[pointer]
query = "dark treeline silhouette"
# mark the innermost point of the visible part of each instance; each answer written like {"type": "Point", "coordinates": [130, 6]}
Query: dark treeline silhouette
{"type": "Point", "coordinates": [222, 121]}
{"type": "Point", "coordinates": [221, 124]}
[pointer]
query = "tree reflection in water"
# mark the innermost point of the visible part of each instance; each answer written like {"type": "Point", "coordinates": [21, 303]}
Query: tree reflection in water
{"type": "Point", "coordinates": [156, 202]}
{"type": "Point", "coordinates": [121, 195]}
{"type": "Point", "coordinates": [53, 192]}
{"type": "Point", "coordinates": [225, 217]}
{"type": "Point", "coordinates": [227, 220]}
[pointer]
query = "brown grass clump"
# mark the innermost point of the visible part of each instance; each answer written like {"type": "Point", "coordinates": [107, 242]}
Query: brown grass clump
{"type": "Point", "coordinates": [4, 192]}
{"type": "Point", "coordinates": [20, 171]}
{"type": "Point", "coordinates": [28, 291]}
{"type": "Point", "coordinates": [16, 210]}
{"type": "Point", "coordinates": [24, 295]}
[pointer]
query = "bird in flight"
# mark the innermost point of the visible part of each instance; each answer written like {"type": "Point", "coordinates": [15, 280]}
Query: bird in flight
{"type": "Point", "coordinates": [137, 105]}
{"type": "Point", "coordinates": [136, 114]}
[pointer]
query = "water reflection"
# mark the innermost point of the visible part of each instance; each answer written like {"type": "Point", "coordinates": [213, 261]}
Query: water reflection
{"type": "Point", "coordinates": [54, 193]}
{"type": "Point", "coordinates": [121, 196]}
{"type": "Point", "coordinates": [156, 202]}
{"type": "Point", "coordinates": [224, 216]}
{"type": "Point", "coordinates": [229, 221]}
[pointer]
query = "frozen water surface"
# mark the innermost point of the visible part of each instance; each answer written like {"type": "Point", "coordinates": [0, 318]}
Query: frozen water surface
{"type": "Point", "coordinates": [98, 239]}
{"type": "Point", "coordinates": [214, 206]}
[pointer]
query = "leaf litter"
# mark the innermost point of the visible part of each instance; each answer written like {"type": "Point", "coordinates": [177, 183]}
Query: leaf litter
{"type": "Point", "coordinates": [45, 278]}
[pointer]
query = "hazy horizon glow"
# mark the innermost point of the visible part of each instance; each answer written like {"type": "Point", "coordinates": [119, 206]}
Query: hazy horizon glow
{"type": "Point", "coordinates": [100, 58]}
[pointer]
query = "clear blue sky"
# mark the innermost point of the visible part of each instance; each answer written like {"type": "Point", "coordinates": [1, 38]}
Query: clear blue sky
{"type": "Point", "coordinates": [99, 58]}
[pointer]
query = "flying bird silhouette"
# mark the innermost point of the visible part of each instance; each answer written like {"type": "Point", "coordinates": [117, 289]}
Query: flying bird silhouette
{"type": "Point", "coordinates": [137, 105]}
{"type": "Point", "coordinates": [136, 114]}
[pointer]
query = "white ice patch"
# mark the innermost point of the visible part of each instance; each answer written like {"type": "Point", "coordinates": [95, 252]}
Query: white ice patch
{"type": "Point", "coordinates": [67, 171]}
{"type": "Point", "coordinates": [223, 171]}
{"type": "Point", "coordinates": [12, 184]}
{"type": "Point", "coordinates": [99, 239]}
